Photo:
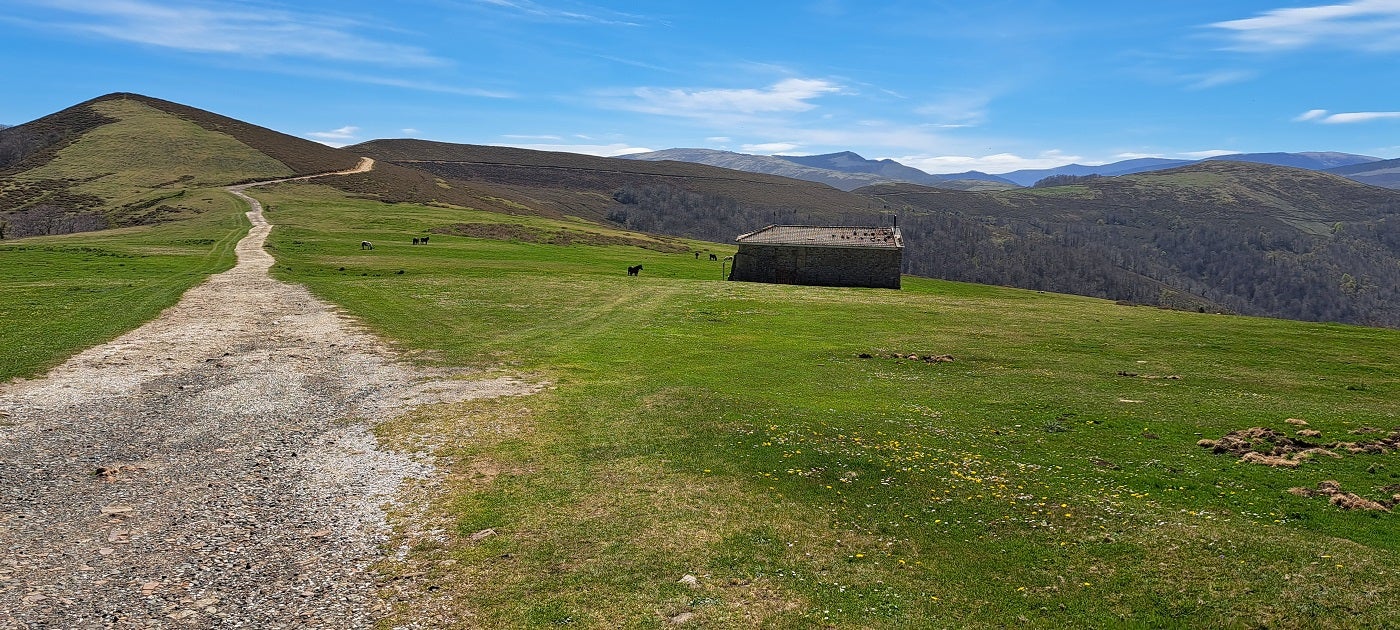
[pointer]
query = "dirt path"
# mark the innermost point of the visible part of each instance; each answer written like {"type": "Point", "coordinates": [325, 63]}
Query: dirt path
{"type": "Point", "coordinates": [211, 468]}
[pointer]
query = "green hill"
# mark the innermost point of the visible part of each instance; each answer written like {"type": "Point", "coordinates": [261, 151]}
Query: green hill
{"type": "Point", "coordinates": [778, 444]}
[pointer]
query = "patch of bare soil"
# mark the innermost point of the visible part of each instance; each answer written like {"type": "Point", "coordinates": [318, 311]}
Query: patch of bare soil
{"type": "Point", "coordinates": [212, 467]}
{"type": "Point", "coordinates": [912, 356]}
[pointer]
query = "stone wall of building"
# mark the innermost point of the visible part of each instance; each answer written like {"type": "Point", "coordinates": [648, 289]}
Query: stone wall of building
{"type": "Point", "coordinates": [818, 266]}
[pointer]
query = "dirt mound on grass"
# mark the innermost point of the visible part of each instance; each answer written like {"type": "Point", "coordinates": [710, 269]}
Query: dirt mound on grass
{"type": "Point", "coordinates": [1262, 445]}
{"type": "Point", "coordinates": [1345, 500]}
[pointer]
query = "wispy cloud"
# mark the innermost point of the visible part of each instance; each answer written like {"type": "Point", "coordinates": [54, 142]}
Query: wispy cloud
{"type": "Point", "coordinates": [769, 148]}
{"type": "Point", "coordinates": [957, 110]}
{"type": "Point", "coordinates": [1207, 80]}
{"type": "Point", "coordinates": [229, 28]}
{"type": "Point", "coordinates": [335, 137]}
{"type": "Point", "coordinates": [788, 95]}
{"type": "Point", "coordinates": [1372, 25]}
{"type": "Point", "coordinates": [578, 12]}
{"type": "Point", "coordinates": [407, 84]}
{"type": "Point", "coordinates": [515, 136]}
{"type": "Point", "coordinates": [601, 150]}
{"type": "Point", "coordinates": [1324, 117]}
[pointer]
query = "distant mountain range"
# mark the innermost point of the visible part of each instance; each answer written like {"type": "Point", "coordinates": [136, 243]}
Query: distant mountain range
{"type": "Point", "coordinates": [844, 170]}
{"type": "Point", "coordinates": [848, 171]}
{"type": "Point", "coordinates": [1383, 173]}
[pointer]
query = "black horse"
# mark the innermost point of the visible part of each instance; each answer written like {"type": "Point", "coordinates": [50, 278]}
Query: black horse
{"type": "Point", "coordinates": [632, 271]}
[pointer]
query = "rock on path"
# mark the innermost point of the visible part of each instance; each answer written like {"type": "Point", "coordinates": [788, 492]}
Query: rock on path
{"type": "Point", "coordinates": [211, 468]}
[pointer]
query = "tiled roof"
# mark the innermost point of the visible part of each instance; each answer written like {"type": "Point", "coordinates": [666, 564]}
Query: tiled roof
{"type": "Point", "coordinates": [827, 236]}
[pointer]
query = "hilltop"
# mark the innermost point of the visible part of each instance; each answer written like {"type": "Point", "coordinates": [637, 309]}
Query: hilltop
{"type": "Point", "coordinates": [126, 159]}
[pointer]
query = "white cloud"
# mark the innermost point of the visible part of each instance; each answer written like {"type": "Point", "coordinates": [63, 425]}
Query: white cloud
{"type": "Point", "coordinates": [1324, 117]}
{"type": "Point", "coordinates": [998, 163]}
{"type": "Point", "coordinates": [1358, 117]}
{"type": "Point", "coordinates": [788, 95]}
{"type": "Point", "coordinates": [1137, 156]}
{"type": "Point", "coordinates": [719, 139]}
{"type": "Point", "coordinates": [1208, 153]}
{"type": "Point", "coordinates": [768, 148]}
{"type": "Point", "coordinates": [226, 28]}
{"type": "Point", "coordinates": [514, 136]}
{"type": "Point", "coordinates": [1372, 25]}
{"type": "Point", "coordinates": [409, 131]}
{"type": "Point", "coordinates": [601, 150]}
{"type": "Point", "coordinates": [336, 137]}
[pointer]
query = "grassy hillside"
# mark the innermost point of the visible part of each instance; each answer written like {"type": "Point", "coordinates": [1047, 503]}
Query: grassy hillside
{"type": "Point", "coordinates": [1048, 476]}
{"type": "Point", "coordinates": [61, 294]}
{"type": "Point", "coordinates": [569, 184]}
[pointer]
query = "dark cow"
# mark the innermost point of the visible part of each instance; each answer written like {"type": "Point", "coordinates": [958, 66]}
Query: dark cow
{"type": "Point", "coordinates": [714, 257]}
{"type": "Point", "coordinates": [415, 240]}
{"type": "Point", "coordinates": [366, 245]}
{"type": "Point", "coordinates": [632, 271]}
{"type": "Point", "coordinates": [425, 240]}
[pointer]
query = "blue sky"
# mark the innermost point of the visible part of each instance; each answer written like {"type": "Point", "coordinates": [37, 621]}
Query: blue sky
{"type": "Point", "coordinates": [943, 86]}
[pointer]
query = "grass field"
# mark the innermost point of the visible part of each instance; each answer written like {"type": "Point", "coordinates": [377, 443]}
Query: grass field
{"type": "Point", "coordinates": [60, 294]}
{"type": "Point", "coordinates": [732, 432]}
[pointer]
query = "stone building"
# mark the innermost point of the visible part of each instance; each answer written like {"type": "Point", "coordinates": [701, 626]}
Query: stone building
{"type": "Point", "coordinates": [821, 256]}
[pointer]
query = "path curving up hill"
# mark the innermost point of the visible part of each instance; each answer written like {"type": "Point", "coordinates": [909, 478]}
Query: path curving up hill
{"type": "Point", "coordinates": [212, 467]}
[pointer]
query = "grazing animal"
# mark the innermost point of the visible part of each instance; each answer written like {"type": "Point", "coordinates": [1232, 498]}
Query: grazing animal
{"type": "Point", "coordinates": [366, 245]}
{"type": "Point", "coordinates": [425, 240]}
{"type": "Point", "coordinates": [415, 240]}
{"type": "Point", "coordinates": [697, 255]}
{"type": "Point", "coordinates": [714, 257]}
{"type": "Point", "coordinates": [632, 271]}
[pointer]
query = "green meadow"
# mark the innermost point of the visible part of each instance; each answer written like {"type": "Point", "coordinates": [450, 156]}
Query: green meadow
{"type": "Point", "coordinates": [60, 294]}
{"type": "Point", "coordinates": [1047, 476]}
{"type": "Point", "coordinates": [733, 432]}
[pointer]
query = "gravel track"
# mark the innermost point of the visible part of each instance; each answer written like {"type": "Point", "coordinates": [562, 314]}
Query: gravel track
{"type": "Point", "coordinates": [211, 468]}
